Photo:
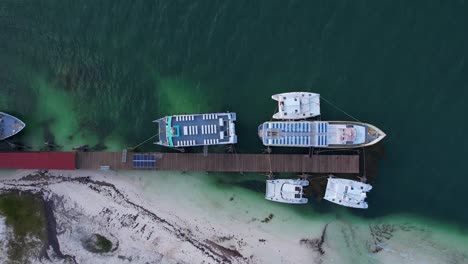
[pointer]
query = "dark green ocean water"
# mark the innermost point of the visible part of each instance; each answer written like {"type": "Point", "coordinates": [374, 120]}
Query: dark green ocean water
{"type": "Point", "coordinates": [98, 73]}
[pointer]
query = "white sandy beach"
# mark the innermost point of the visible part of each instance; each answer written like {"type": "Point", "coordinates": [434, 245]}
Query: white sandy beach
{"type": "Point", "coordinates": [172, 217]}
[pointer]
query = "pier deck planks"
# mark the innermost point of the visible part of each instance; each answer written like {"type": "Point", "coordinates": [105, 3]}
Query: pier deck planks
{"type": "Point", "coordinates": [226, 162]}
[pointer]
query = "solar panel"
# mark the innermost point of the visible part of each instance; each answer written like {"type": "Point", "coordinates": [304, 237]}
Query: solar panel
{"type": "Point", "coordinates": [144, 161]}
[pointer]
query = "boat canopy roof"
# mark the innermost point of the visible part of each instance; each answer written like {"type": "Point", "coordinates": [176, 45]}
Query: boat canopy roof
{"type": "Point", "coordinates": [197, 130]}
{"type": "Point", "coordinates": [311, 133]}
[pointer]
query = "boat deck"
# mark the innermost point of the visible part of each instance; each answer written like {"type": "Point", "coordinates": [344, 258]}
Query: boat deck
{"type": "Point", "coordinates": [197, 130]}
{"type": "Point", "coordinates": [218, 162]}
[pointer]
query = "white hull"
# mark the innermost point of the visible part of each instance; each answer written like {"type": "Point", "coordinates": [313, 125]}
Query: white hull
{"type": "Point", "coordinates": [347, 193]}
{"type": "Point", "coordinates": [197, 130]}
{"type": "Point", "coordinates": [320, 134]}
{"type": "Point", "coordinates": [297, 105]}
{"type": "Point", "coordinates": [286, 191]}
{"type": "Point", "coordinates": [9, 125]}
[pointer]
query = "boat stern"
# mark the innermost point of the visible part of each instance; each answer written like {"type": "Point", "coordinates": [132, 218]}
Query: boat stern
{"type": "Point", "coordinates": [260, 131]}
{"type": "Point", "coordinates": [162, 130]}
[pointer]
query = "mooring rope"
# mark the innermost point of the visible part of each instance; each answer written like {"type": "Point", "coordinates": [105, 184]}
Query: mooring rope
{"type": "Point", "coordinates": [317, 178]}
{"type": "Point", "coordinates": [153, 136]}
{"type": "Point", "coordinates": [269, 162]}
{"type": "Point", "coordinates": [336, 107]}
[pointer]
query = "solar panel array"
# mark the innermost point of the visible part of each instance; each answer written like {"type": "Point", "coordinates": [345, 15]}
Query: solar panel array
{"type": "Point", "coordinates": [290, 139]}
{"type": "Point", "coordinates": [322, 130]}
{"type": "Point", "coordinates": [291, 126]}
{"type": "Point", "coordinates": [144, 161]}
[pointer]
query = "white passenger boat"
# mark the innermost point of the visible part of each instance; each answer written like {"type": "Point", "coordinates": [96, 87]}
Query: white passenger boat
{"type": "Point", "coordinates": [347, 193]}
{"type": "Point", "coordinates": [286, 191]}
{"type": "Point", "coordinates": [197, 130]}
{"type": "Point", "coordinates": [321, 134]}
{"type": "Point", "coordinates": [297, 105]}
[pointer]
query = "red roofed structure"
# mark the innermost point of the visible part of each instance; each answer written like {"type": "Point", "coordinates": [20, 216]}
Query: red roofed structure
{"type": "Point", "coordinates": [38, 160]}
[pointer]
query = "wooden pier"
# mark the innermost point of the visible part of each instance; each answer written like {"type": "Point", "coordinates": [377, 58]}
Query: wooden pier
{"type": "Point", "coordinates": [221, 162]}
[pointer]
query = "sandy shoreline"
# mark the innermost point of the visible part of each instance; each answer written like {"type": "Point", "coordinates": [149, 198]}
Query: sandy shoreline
{"type": "Point", "coordinates": [165, 218]}
{"type": "Point", "coordinates": [145, 230]}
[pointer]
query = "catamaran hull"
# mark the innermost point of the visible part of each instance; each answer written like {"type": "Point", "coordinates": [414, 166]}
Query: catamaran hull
{"type": "Point", "coordinates": [286, 191]}
{"type": "Point", "coordinates": [347, 193]}
{"type": "Point", "coordinates": [297, 105]}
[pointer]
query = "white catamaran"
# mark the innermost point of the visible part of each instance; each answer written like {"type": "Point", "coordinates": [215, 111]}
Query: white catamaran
{"type": "Point", "coordinates": [347, 193]}
{"type": "Point", "coordinates": [286, 191]}
{"type": "Point", "coordinates": [297, 105]}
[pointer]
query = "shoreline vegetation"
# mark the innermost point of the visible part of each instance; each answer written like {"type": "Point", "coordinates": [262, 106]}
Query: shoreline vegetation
{"type": "Point", "coordinates": [97, 243]}
{"type": "Point", "coordinates": [33, 225]}
{"type": "Point", "coordinates": [25, 216]}
{"type": "Point", "coordinates": [24, 203]}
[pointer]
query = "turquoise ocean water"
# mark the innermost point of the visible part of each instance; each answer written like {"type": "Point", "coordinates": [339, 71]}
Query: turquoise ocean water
{"type": "Point", "coordinates": [98, 73]}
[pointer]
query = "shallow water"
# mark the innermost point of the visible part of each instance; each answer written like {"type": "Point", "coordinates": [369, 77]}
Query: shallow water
{"type": "Point", "coordinates": [347, 239]}
{"type": "Point", "coordinates": [81, 72]}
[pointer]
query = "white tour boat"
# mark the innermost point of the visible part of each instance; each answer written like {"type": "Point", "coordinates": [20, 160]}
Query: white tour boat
{"type": "Point", "coordinates": [320, 134]}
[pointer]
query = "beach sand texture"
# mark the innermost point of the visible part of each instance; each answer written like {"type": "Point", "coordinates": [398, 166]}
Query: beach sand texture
{"type": "Point", "coordinates": [170, 217]}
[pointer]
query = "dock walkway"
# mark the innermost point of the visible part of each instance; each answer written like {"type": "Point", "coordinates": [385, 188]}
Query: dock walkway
{"type": "Point", "coordinates": [219, 162]}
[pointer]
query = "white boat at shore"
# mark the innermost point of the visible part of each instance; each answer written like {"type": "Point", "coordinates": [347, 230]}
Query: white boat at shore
{"type": "Point", "coordinates": [286, 191]}
{"type": "Point", "coordinates": [347, 193]}
{"type": "Point", "coordinates": [297, 105]}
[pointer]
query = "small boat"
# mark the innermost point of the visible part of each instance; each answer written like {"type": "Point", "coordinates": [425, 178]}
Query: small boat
{"type": "Point", "coordinates": [286, 191]}
{"type": "Point", "coordinates": [347, 193]}
{"type": "Point", "coordinates": [9, 126]}
{"type": "Point", "coordinates": [320, 134]}
{"type": "Point", "coordinates": [197, 130]}
{"type": "Point", "coordinates": [297, 105]}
